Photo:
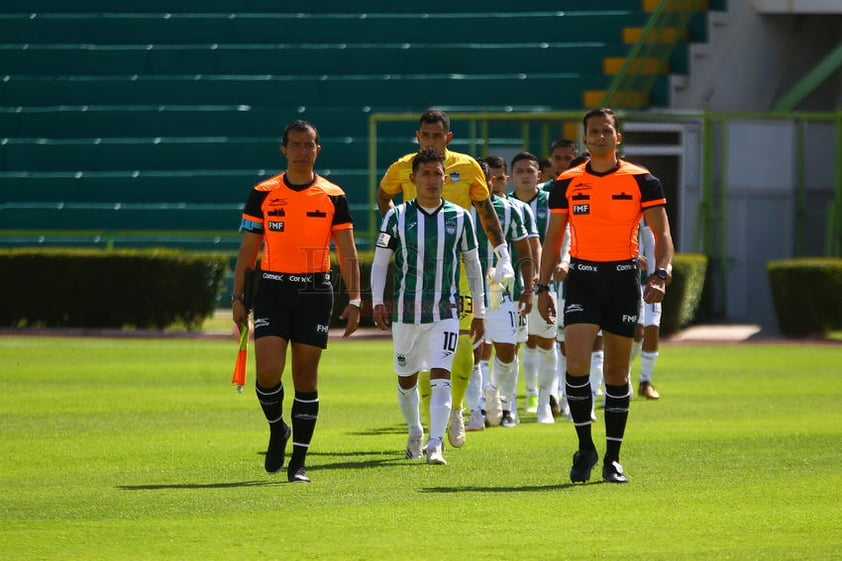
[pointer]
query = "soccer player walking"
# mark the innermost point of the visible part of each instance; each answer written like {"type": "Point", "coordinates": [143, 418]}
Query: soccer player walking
{"type": "Point", "coordinates": [540, 354]}
{"type": "Point", "coordinates": [294, 215]}
{"type": "Point", "coordinates": [426, 235]}
{"type": "Point", "coordinates": [603, 201]}
{"type": "Point", "coordinates": [466, 186]}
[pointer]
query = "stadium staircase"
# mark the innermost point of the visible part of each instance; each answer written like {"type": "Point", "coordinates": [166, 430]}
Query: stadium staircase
{"type": "Point", "coordinates": [146, 123]}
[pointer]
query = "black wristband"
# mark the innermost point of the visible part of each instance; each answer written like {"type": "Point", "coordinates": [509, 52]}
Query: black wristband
{"type": "Point", "coordinates": [539, 288]}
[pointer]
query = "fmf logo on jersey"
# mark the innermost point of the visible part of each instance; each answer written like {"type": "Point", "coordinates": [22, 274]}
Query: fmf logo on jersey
{"type": "Point", "coordinates": [455, 176]}
{"type": "Point", "coordinates": [581, 209]}
{"type": "Point", "coordinates": [276, 226]}
{"type": "Point", "coordinates": [321, 328]}
{"type": "Point", "coordinates": [629, 319]}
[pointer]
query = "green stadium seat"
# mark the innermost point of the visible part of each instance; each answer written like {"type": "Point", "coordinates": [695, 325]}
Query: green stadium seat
{"type": "Point", "coordinates": [290, 6]}
{"type": "Point", "coordinates": [268, 29]}
{"type": "Point", "coordinates": [311, 62]}
{"type": "Point", "coordinates": [552, 89]}
{"type": "Point", "coordinates": [160, 116]}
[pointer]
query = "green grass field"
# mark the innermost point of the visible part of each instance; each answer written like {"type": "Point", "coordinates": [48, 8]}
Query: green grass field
{"type": "Point", "coordinates": [132, 449]}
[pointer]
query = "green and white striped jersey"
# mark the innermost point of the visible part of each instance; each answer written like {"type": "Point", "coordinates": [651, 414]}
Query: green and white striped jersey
{"type": "Point", "coordinates": [540, 209]}
{"type": "Point", "coordinates": [531, 226]}
{"type": "Point", "coordinates": [427, 250]}
{"type": "Point", "coordinates": [513, 227]}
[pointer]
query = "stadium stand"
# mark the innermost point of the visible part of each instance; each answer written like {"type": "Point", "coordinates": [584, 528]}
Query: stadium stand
{"type": "Point", "coordinates": [157, 116]}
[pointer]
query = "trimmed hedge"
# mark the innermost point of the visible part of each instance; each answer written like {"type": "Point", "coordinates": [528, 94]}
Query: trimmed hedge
{"type": "Point", "coordinates": [145, 289]}
{"type": "Point", "coordinates": [807, 295]}
{"type": "Point", "coordinates": [684, 293]}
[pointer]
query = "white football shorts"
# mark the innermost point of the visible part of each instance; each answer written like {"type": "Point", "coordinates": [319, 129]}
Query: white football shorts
{"type": "Point", "coordinates": [420, 347]}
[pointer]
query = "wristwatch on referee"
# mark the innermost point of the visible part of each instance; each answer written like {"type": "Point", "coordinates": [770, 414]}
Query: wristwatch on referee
{"type": "Point", "coordinates": [238, 298]}
{"type": "Point", "coordinates": [539, 288]}
{"type": "Point", "coordinates": [661, 274]}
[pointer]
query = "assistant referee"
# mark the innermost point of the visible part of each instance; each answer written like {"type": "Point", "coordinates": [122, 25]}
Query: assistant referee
{"type": "Point", "coordinates": [294, 215]}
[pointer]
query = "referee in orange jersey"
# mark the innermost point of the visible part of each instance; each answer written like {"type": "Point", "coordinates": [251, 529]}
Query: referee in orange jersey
{"type": "Point", "coordinates": [603, 202]}
{"type": "Point", "coordinates": [294, 215]}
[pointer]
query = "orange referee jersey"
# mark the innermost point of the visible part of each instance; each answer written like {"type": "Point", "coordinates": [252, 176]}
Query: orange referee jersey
{"type": "Point", "coordinates": [296, 222]}
{"type": "Point", "coordinates": [604, 209]}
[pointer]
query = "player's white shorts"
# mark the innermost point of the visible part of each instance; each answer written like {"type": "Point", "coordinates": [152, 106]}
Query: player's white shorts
{"type": "Point", "coordinates": [501, 323]}
{"type": "Point", "coordinates": [560, 321]}
{"type": "Point", "coordinates": [523, 326]}
{"type": "Point", "coordinates": [538, 325]}
{"type": "Point", "coordinates": [420, 347]}
{"type": "Point", "coordinates": [650, 314]}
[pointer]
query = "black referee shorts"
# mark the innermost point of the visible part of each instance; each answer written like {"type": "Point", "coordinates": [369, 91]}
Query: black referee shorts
{"type": "Point", "coordinates": [603, 293]}
{"type": "Point", "coordinates": [295, 307]}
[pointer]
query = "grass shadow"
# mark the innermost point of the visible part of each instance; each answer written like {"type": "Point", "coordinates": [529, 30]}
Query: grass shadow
{"type": "Point", "coordinates": [396, 429]}
{"type": "Point", "coordinates": [230, 485]}
{"type": "Point", "coordinates": [511, 489]}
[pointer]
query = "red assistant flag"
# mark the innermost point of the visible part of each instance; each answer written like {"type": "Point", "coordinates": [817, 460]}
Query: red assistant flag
{"type": "Point", "coordinates": [239, 377]}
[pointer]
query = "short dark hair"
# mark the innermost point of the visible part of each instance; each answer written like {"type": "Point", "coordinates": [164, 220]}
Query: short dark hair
{"type": "Point", "coordinates": [545, 163]}
{"type": "Point", "coordinates": [299, 126]}
{"type": "Point", "coordinates": [427, 155]}
{"type": "Point", "coordinates": [565, 143]}
{"type": "Point", "coordinates": [601, 112]}
{"type": "Point", "coordinates": [581, 159]}
{"type": "Point", "coordinates": [486, 169]}
{"type": "Point", "coordinates": [496, 162]}
{"type": "Point", "coordinates": [526, 156]}
{"type": "Point", "coordinates": [433, 116]}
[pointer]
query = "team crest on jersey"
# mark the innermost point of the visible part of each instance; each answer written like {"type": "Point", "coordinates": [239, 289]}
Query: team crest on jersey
{"type": "Point", "coordinates": [542, 212]}
{"type": "Point", "coordinates": [455, 176]}
{"type": "Point", "coordinates": [450, 227]}
{"type": "Point", "coordinates": [581, 209]}
{"type": "Point", "coordinates": [401, 360]}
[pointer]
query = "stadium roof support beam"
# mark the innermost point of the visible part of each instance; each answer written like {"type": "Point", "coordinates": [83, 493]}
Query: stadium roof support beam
{"type": "Point", "coordinates": [821, 72]}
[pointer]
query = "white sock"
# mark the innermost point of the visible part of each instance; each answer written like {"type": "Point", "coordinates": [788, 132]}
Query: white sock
{"type": "Point", "coordinates": [647, 365]}
{"type": "Point", "coordinates": [503, 376]}
{"type": "Point", "coordinates": [636, 348]}
{"type": "Point", "coordinates": [440, 404]}
{"type": "Point", "coordinates": [597, 360]}
{"type": "Point", "coordinates": [408, 401]}
{"type": "Point", "coordinates": [547, 364]}
{"type": "Point", "coordinates": [561, 373]}
{"type": "Point", "coordinates": [486, 379]}
{"type": "Point", "coordinates": [474, 392]}
{"type": "Point", "coordinates": [530, 370]}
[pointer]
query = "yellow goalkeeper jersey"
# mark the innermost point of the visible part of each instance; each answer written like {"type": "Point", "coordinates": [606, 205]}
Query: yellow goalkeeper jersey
{"type": "Point", "coordinates": [464, 179]}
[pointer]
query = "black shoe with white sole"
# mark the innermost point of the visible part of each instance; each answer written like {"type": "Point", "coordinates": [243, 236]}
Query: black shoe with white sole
{"type": "Point", "coordinates": [612, 472]}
